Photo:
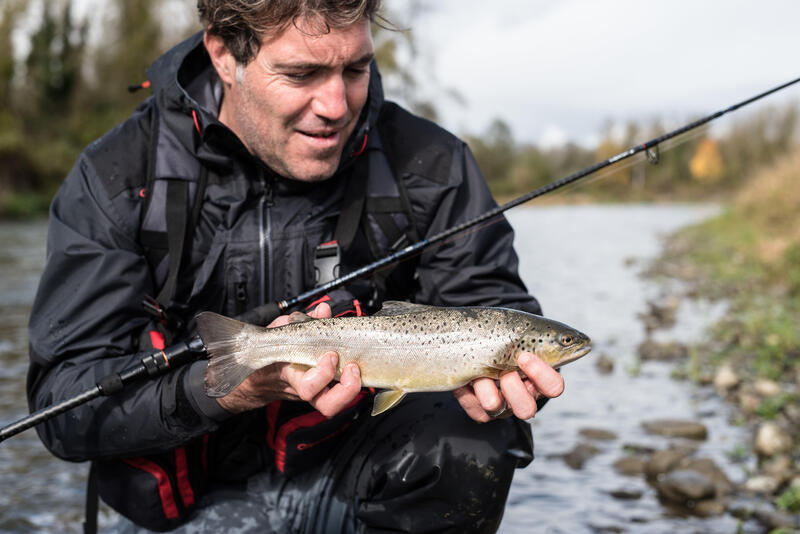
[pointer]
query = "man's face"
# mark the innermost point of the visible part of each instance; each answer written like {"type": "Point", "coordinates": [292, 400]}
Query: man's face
{"type": "Point", "coordinates": [295, 105]}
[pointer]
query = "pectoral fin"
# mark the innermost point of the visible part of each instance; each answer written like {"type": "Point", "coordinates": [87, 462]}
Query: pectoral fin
{"type": "Point", "coordinates": [387, 399]}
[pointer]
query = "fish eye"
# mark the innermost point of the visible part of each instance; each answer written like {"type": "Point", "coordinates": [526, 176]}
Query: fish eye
{"type": "Point", "coordinates": [566, 339]}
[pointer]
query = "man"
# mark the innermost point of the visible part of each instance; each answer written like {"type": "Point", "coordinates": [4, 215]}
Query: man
{"type": "Point", "coordinates": [266, 138]}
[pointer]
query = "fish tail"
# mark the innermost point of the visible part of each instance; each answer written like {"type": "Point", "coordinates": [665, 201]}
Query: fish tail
{"type": "Point", "coordinates": [227, 366]}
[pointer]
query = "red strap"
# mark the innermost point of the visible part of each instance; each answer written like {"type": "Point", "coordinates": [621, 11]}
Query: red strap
{"type": "Point", "coordinates": [303, 421]}
{"type": "Point", "coordinates": [157, 340]}
{"type": "Point", "coordinates": [324, 298]}
{"type": "Point", "coordinates": [164, 487]}
{"type": "Point", "coordinates": [182, 475]}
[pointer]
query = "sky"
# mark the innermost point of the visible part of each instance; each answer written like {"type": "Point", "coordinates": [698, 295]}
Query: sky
{"type": "Point", "coordinates": [558, 70]}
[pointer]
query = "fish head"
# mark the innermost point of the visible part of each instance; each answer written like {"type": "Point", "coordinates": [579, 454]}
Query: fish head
{"type": "Point", "coordinates": [555, 343]}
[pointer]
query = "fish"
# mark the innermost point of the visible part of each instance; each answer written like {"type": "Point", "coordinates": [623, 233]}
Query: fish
{"type": "Point", "coordinates": [403, 348]}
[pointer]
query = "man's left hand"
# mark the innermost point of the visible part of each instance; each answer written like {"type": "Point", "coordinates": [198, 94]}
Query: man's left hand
{"type": "Point", "coordinates": [484, 401]}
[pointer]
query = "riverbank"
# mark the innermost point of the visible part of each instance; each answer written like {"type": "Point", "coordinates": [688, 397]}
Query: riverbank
{"type": "Point", "coordinates": [749, 258]}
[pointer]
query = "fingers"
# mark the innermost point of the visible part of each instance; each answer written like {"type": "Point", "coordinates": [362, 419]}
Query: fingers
{"type": "Point", "coordinates": [547, 380]}
{"type": "Point", "coordinates": [322, 311]}
{"type": "Point", "coordinates": [314, 385]}
{"type": "Point", "coordinates": [481, 399]}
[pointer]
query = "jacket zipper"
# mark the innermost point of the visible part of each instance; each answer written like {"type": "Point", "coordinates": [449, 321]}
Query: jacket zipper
{"type": "Point", "coordinates": [265, 237]}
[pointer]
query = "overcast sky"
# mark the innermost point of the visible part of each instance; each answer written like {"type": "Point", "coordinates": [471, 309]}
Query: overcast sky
{"type": "Point", "coordinates": [561, 69]}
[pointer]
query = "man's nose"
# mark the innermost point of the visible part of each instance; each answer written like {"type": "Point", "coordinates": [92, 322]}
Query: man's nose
{"type": "Point", "coordinates": [330, 101]}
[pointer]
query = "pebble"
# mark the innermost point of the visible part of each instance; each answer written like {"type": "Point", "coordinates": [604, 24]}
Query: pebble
{"type": "Point", "coordinates": [772, 439]}
{"type": "Point", "coordinates": [604, 364]}
{"type": "Point", "coordinates": [677, 428]}
{"type": "Point", "coordinates": [663, 461]}
{"type": "Point", "coordinates": [597, 434]}
{"type": "Point", "coordinates": [626, 494]}
{"type": "Point", "coordinates": [650, 350]}
{"type": "Point", "coordinates": [749, 402]}
{"type": "Point", "coordinates": [780, 468]}
{"type": "Point", "coordinates": [684, 485]}
{"type": "Point", "coordinates": [629, 466]}
{"type": "Point", "coordinates": [726, 378]}
{"type": "Point", "coordinates": [766, 388]}
{"type": "Point", "coordinates": [773, 519]}
{"type": "Point", "coordinates": [761, 484]}
{"type": "Point", "coordinates": [579, 454]}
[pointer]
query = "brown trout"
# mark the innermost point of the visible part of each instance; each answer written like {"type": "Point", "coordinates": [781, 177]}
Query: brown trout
{"type": "Point", "coordinates": [403, 348]}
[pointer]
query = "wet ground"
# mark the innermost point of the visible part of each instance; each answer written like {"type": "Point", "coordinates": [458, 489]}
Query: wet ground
{"type": "Point", "coordinates": [582, 262]}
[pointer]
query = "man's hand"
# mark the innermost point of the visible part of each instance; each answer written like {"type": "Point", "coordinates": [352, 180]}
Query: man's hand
{"type": "Point", "coordinates": [482, 400]}
{"type": "Point", "coordinates": [282, 381]}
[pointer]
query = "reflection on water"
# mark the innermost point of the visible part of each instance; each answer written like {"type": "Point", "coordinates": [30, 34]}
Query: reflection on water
{"type": "Point", "coordinates": [581, 262]}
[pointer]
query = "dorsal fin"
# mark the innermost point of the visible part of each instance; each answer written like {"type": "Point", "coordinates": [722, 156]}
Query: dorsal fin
{"type": "Point", "coordinates": [396, 307]}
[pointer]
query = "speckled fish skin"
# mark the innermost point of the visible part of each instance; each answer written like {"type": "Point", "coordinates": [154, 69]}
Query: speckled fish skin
{"type": "Point", "coordinates": [403, 348]}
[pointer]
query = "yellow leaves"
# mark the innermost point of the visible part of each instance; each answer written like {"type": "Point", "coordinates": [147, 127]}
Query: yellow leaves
{"type": "Point", "coordinates": [706, 164]}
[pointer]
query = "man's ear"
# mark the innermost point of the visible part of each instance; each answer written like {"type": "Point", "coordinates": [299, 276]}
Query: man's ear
{"type": "Point", "coordinates": [221, 58]}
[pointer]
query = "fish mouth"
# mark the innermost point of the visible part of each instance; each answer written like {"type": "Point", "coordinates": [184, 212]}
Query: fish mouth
{"type": "Point", "coordinates": [577, 354]}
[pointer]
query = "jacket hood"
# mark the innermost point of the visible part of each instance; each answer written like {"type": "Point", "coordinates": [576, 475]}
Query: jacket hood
{"type": "Point", "coordinates": [188, 93]}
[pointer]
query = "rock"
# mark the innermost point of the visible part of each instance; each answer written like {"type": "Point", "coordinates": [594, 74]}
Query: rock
{"type": "Point", "coordinates": [660, 314]}
{"type": "Point", "coordinates": [762, 484]}
{"type": "Point", "coordinates": [604, 364]}
{"type": "Point", "coordinates": [726, 378]}
{"type": "Point", "coordinates": [663, 461]}
{"type": "Point", "coordinates": [766, 388]}
{"type": "Point", "coordinates": [637, 448]}
{"type": "Point", "coordinates": [626, 494]}
{"type": "Point", "coordinates": [629, 466]}
{"type": "Point", "coordinates": [676, 428]}
{"type": "Point", "coordinates": [772, 439]}
{"type": "Point", "coordinates": [710, 470]}
{"type": "Point", "coordinates": [773, 519]}
{"type": "Point", "coordinates": [579, 454]}
{"type": "Point", "coordinates": [749, 402]}
{"type": "Point", "coordinates": [650, 350]}
{"type": "Point", "coordinates": [684, 485]}
{"type": "Point", "coordinates": [597, 434]}
{"type": "Point", "coordinates": [779, 468]}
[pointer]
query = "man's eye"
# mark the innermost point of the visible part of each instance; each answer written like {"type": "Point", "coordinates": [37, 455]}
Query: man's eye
{"type": "Point", "coordinates": [358, 71]}
{"type": "Point", "coordinates": [299, 76]}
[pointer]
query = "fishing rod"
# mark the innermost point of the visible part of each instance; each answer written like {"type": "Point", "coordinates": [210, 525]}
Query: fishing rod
{"type": "Point", "coordinates": [155, 363]}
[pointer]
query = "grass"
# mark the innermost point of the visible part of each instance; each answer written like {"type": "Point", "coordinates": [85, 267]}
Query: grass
{"type": "Point", "coordinates": [750, 256]}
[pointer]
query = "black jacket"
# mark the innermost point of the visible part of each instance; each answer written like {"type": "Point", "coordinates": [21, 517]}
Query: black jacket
{"type": "Point", "coordinates": [254, 235]}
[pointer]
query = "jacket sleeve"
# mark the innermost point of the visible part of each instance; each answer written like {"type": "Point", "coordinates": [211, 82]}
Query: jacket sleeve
{"type": "Point", "coordinates": [478, 267]}
{"type": "Point", "coordinates": [85, 323]}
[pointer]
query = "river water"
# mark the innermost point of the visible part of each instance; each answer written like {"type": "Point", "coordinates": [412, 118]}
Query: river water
{"type": "Point", "coordinates": [582, 262]}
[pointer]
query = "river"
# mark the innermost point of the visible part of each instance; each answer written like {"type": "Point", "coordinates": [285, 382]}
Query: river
{"type": "Point", "coordinates": [583, 263]}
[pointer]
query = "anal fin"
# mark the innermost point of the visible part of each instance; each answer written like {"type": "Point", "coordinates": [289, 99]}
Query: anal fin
{"type": "Point", "coordinates": [386, 400]}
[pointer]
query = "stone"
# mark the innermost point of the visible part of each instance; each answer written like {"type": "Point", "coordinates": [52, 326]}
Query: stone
{"type": "Point", "coordinates": [726, 378]}
{"type": "Point", "coordinates": [779, 468]}
{"type": "Point", "coordinates": [762, 484]}
{"type": "Point", "coordinates": [684, 485]}
{"type": "Point", "coordinates": [661, 462]}
{"type": "Point", "coordinates": [773, 519]}
{"type": "Point", "coordinates": [772, 439]}
{"type": "Point", "coordinates": [749, 402]}
{"type": "Point", "coordinates": [766, 388]}
{"type": "Point", "coordinates": [597, 434]}
{"type": "Point", "coordinates": [629, 466]}
{"type": "Point", "coordinates": [604, 364]}
{"type": "Point", "coordinates": [709, 469]}
{"type": "Point", "coordinates": [626, 494]}
{"type": "Point", "coordinates": [579, 454]}
{"type": "Point", "coordinates": [677, 428]}
{"type": "Point", "coordinates": [650, 350]}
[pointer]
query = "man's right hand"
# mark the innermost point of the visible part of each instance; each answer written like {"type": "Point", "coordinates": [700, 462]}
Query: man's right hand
{"type": "Point", "coordinates": [283, 381]}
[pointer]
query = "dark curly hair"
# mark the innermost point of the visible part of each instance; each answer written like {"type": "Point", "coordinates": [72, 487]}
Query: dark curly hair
{"type": "Point", "coordinates": [242, 24]}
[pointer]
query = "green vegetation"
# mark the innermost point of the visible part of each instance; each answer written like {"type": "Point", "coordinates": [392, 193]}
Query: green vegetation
{"type": "Point", "coordinates": [789, 500]}
{"type": "Point", "coordinates": [750, 256]}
